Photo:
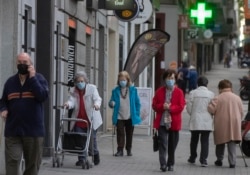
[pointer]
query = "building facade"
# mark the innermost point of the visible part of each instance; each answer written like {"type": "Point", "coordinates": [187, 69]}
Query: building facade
{"type": "Point", "coordinates": [63, 37]}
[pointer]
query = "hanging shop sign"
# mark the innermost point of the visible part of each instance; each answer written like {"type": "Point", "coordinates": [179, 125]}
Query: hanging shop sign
{"type": "Point", "coordinates": [127, 15]}
{"type": "Point", "coordinates": [247, 9]}
{"type": "Point", "coordinates": [145, 12]}
{"type": "Point", "coordinates": [119, 4]}
{"type": "Point", "coordinates": [183, 22]}
{"type": "Point", "coordinates": [193, 33]}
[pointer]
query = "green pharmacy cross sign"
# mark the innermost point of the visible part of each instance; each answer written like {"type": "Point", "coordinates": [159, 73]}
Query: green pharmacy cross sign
{"type": "Point", "coordinates": [201, 13]}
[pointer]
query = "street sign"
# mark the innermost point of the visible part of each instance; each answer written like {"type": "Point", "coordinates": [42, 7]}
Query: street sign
{"type": "Point", "coordinates": [201, 13]}
{"type": "Point", "coordinates": [208, 34]}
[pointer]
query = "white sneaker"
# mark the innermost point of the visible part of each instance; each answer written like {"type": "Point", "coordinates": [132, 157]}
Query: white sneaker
{"type": "Point", "coordinates": [204, 165]}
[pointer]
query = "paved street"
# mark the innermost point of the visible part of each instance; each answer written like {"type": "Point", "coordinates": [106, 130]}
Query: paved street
{"type": "Point", "coordinates": [144, 161]}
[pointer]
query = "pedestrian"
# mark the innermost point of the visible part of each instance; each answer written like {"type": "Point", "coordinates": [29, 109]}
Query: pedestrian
{"type": "Point", "coordinates": [168, 103]}
{"type": "Point", "coordinates": [201, 121]}
{"type": "Point", "coordinates": [86, 102]}
{"type": "Point", "coordinates": [180, 82]}
{"type": "Point", "coordinates": [185, 75]}
{"type": "Point", "coordinates": [126, 104]}
{"type": "Point", "coordinates": [193, 76]}
{"type": "Point", "coordinates": [227, 109]}
{"type": "Point", "coordinates": [227, 60]}
{"type": "Point", "coordinates": [21, 106]}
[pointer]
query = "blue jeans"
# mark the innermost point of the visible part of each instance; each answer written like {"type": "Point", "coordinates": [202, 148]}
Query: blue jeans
{"type": "Point", "coordinates": [92, 143]}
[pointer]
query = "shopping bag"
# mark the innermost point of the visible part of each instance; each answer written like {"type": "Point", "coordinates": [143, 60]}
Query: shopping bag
{"type": "Point", "coordinates": [73, 141]}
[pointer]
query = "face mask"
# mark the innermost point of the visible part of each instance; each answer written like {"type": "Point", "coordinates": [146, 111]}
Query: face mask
{"type": "Point", "coordinates": [22, 69]}
{"type": "Point", "coordinates": [81, 85]}
{"type": "Point", "coordinates": [170, 83]}
{"type": "Point", "coordinates": [123, 83]}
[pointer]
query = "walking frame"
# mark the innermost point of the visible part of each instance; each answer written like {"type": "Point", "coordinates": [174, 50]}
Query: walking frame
{"type": "Point", "coordinates": [73, 143]}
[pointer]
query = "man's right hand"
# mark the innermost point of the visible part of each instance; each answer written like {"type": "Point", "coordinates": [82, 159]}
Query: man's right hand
{"type": "Point", "coordinates": [4, 114]}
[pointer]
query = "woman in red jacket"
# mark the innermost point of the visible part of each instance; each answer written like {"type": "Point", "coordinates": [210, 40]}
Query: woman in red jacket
{"type": "Point", "coordinates": [168, 103]}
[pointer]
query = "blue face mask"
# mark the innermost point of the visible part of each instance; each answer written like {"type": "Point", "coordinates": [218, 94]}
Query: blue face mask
{"type": "Point", "coordinates": [170, 83]}
{"type": "Point", "coordinates": [81, 85]}
{"type": "Point", "coordinates": [123, 83]}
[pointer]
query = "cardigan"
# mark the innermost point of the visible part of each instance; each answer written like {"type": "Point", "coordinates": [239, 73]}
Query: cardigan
{"type": "Point", "coordinates": [134, 105]}
{"type": "Point", "coordinates": [25, 106]}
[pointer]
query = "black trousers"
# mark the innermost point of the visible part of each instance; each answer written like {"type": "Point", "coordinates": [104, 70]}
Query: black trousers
{"type": "Point", "coordinates": [168, 141]}
{"type": "Point", "coordinates": [125, 129]}
{"type": "Point", "coordinates": [204, 139]}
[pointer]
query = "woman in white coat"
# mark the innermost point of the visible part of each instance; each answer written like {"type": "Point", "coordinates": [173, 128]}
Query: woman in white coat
{"type": "Point", "coordinates": [201, 121]}
{"type": "Point", "coordinates": [86, 102]}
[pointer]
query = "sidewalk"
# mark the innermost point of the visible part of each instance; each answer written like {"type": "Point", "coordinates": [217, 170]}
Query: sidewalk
{"type": "Point", "coordinates": [144, 161]}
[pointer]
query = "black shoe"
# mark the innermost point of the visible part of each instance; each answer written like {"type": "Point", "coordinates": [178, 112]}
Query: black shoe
{"type": "Point", "coordinates": [192, 161]}
{"type": "Point", "coordinates": [218, 163]}
{"type": "Point", "coordinates": [129, 153]}
{"type": "Point", "coordinates": [79, 163]}
{"type": "Point", "coordinates": [171, 168]}
{"type": "Point", "coordinates": [231, 166]}
{"type": "Point", "coordinates": [96, 159]}
{"type": "Point", "coordinates": [163, 168]}
{"type": "Point", "coordinates": [119, 154]}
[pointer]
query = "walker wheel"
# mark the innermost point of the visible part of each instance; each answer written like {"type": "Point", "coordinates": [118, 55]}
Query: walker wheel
{"type": "Point", "coordinates": [87, 164]}
{"type": "Point", "coordinates": [58, 162]}
{"type": "Point", "coordinates": [53, 162]}
{"type": "Point", "coordinates": [83, 164]}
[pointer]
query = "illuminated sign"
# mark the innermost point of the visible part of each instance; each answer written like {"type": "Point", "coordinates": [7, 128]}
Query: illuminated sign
{"type": "Point", "coordinates": [201, 13]}
{"type": "Point", "coordinates": [119, 4]}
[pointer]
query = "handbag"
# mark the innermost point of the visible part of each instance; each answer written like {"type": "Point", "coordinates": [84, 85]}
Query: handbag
{"type": "Point", "coordinates": [155, 141]}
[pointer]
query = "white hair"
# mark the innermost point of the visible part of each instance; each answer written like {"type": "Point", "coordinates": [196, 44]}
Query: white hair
{"type": "Point", "coordinates": [81, 74]}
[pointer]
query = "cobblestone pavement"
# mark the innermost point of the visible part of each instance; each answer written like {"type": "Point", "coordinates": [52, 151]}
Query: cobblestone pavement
{"type": "Point", "coordinates": [144, 161]}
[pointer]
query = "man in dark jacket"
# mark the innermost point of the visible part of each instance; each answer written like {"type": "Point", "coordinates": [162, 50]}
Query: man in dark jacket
{"type": "Point", "coordinates": [22, 107]}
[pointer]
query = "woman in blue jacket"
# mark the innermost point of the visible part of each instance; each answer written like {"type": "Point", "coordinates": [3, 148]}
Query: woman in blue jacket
{"type": "Point", "coordinates": [126, 113]}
